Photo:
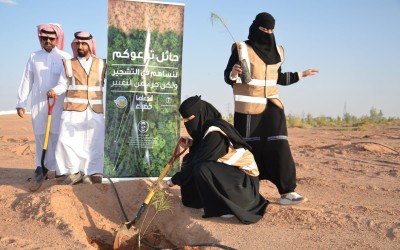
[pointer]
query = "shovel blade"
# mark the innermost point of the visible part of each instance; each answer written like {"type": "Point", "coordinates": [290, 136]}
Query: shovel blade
{"type": "Point", "coordinates": [126, 237]}
{"type": "Point", "coordinates": [35, 182]}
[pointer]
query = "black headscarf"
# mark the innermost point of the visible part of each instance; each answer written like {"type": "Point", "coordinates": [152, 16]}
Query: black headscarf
{"type": "Point", "coordinates": [263, 43]}
{"type": "Point", "coordinates": [202, 110]}
{"type": "Point", "coordinates": [206, 115]}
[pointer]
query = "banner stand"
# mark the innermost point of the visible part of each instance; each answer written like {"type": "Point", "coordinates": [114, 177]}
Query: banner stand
{"type": "Point", "coordinates": [143, 94]}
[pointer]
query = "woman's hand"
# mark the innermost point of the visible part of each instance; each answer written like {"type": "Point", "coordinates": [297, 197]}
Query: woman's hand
{"type": "Point", "coordinates": [185, 142]}
{"type": "Point", "coordinates": [310, 72]}
{"type": "Point", "coordinates": [236, 71]}
{"type": "Point", "coordinates": [163, 184]}
{"type": "Point", "coordinates": [169, 183]}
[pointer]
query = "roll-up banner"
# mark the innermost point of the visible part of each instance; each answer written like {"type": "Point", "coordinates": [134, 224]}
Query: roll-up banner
{"type": "Point", "coordinates": [143, 94]}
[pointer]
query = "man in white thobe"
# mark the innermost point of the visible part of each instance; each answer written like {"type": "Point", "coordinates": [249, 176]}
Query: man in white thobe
{"type": "Point", "coordinates": [80, 148]}
{"type": "Point", "coordinates": [42, 72]}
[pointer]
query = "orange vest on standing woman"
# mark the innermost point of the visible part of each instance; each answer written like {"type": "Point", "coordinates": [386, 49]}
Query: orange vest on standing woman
{"type": "Point", "coordinates": [84, 90]}
{"type": "Point", "coordinates": [252, 97]}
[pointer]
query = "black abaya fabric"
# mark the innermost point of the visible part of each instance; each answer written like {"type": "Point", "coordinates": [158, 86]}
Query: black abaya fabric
{"type": "Point", "coordinates": [219, 188]}
{"type": "Point", "coordinates": [216, 187]}
{"type": "Point", "coordinates": [225, 189]}
{"type": "Point", "coordinates": [274, 158]}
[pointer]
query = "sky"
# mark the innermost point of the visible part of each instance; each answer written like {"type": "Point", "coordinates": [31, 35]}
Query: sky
{"type": "Point", "coordinates": [355, 44]}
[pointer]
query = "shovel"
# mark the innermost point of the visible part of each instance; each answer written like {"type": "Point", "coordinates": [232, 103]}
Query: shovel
{"type": "Point", "coordinates": [41, 172]}
{"type": "Point", "coordinates": [127, 231]}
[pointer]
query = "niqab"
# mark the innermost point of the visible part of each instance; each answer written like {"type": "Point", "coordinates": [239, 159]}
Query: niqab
{"type": "Point", "coordinates": [203, 111]}
{"type": "Point", "coordinates": [206, 115]}
{"type": "Point", "coordinates": [264, 43]}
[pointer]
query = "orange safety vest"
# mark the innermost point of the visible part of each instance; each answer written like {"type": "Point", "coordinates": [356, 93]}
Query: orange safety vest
{"type": "Point", "coordinates": [252, 97]}
{"type": "Point", "coordinates": [84, 90]}
{"type": "Point", "coordinates": [237, 157]}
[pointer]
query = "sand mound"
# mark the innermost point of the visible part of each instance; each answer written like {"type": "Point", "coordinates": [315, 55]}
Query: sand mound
{"type": "Point", "coordinates": [91, 214]}
{"type": "Point", "coordinates": [351, 179]}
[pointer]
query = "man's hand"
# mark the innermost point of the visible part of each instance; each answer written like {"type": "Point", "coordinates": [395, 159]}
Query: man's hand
{"type": "Point", "coordinates": [21, 112]}
{"type": "Point", "coordinates": [51, 93]}
{"type": "Point", "coordinates": [310, 72]}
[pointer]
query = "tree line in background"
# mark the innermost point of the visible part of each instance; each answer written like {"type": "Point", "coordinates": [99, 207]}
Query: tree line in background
{"type": "Point", "coordinates": [346, 121]}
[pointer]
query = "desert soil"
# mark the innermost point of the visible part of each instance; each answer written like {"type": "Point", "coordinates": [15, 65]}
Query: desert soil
{"type": "Point", "coordinates": [351, 180]}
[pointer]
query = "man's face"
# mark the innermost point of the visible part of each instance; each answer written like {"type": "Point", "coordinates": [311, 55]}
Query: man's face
{"type": "Point", "coordinates": [83, 49]}
{"type": "Point", "coordinates": [48, 43]}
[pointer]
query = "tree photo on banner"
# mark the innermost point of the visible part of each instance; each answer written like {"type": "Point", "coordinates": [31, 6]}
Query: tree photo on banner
{"type": "Point", "coordinates": [143, 86]}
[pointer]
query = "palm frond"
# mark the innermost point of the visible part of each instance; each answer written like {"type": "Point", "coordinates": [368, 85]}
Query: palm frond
{"type": "Point", "coordinates": [215, 18]}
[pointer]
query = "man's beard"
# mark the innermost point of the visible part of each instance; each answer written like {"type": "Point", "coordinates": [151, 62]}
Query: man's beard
{"type": "Point", "coordinates": [48, 47]}
{"type": "Point", "coordinates": [82, 53]}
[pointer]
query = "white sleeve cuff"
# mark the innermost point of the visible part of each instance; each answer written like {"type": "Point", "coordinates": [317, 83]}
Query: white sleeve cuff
{"type": "Point", "coordinates": [60, 89]}
{"type": "Point", "coordinates": [232, 78]}
{"type": "Point", "coordinates": [300, 74]}
{"type": "Point", "coordinates": [62, 85]}
{"type": "Point", "coordinates": [21, 104]}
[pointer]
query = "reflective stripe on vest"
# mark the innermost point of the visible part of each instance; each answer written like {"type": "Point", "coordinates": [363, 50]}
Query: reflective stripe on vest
{"type": "Point", "coordinates": [82, 101]}
{"type": "Point", "coordinates": [85, 87]}
{"type": "Point", "coordinates": [251, 98]}
{"type": "Point", "coordinates": [239, 157]}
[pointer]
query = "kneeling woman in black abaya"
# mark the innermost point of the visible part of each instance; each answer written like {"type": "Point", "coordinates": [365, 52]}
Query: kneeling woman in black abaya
{"type": "Point", "coordinates": [219, 173]}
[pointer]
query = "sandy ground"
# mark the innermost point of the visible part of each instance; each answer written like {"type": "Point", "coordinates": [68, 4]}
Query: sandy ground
{"type": "Point", "coordinates": [351, 179]}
